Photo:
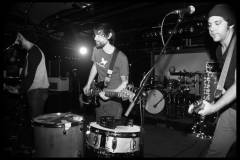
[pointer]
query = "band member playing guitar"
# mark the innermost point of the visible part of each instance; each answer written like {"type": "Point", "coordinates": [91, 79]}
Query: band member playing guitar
{"type": "Point", "coordinates": [221, 24]}
{"type": "Point", "coordinates": [102, 55]}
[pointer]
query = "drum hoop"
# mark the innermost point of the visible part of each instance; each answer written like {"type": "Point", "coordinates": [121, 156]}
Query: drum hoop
{"type": "Point", "coordinates": [55, 125]}
{"type": "Point", "coordinates": [113, 133]}
{"type": "Point", "coordinates": [116, 134]}
{"type": "Point", "coordinates": [58, 125]}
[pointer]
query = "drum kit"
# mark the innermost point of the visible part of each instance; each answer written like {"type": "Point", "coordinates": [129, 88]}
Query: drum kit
{"type": "Point", "coordinates": [172, 95]}
{"type": "Point", "coordinates": [67, 135]}
{"type": "Point", "coordinates": [58, 135]}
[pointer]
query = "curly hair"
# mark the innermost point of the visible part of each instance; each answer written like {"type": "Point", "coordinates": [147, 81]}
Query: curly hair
{"type": "Point", "coordinates": [107, 29]}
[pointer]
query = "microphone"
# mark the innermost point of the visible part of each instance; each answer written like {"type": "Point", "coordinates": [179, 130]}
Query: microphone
{"type": "Point", "coordinates": [190, 10]}
{"type": "Point", "coordinates": [11, 46]}
{"type": "Point", "coordinates": [16, 42]}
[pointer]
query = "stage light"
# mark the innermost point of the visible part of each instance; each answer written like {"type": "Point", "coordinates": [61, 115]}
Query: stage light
{"type": "Point", "coordinates": [83, 50]}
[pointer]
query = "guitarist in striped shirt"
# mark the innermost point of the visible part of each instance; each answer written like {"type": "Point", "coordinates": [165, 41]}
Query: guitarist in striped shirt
{"type": "Point", "coordinates": [221, 26]}
{"type": "Point", "coordinates": [102, 54]}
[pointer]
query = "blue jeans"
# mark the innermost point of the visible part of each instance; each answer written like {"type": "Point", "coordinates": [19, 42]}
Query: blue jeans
{"type": "Point", "coordinates": [36, 100]}
{"type": "Point", "coordinates": [224, 134]}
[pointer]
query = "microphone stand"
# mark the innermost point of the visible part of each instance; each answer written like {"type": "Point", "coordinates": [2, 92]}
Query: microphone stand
{"type": "Point", "coordinates": [137, 98]}
{"type": "Point", "coordinates": [9, 47]}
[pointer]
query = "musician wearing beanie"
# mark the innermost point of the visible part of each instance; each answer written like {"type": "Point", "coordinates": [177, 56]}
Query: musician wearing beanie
{"type": "Point", "coordinates": [222, 26]}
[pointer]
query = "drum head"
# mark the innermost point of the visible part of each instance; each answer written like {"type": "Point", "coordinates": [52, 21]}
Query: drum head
{"type": "Point", "coordinates": [119, 129]}
{"type": "Point", "coordinates": [56, 120]}
{"type": "Point", "coordinates": [155, 101]}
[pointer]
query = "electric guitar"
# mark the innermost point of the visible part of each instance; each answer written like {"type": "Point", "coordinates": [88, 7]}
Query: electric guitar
{"type": "Point", "coordinates": [96, 88]}
{"type": "Point", "coordinates": [205, 126]}
{"type": "Point", "coordinates": [197, 106]}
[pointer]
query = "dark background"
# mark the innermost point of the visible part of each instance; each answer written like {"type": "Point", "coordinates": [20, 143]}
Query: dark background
{"type": "Point", "coordinates": [60, 26]}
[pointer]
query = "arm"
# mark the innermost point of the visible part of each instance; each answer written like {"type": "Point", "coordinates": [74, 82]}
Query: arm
{"type": "Point", "coordinates": [123, 85]}
{"type": "Point", "coordinates": [91, 77]}
{"type": "Point", "coordinates": [92, 74]}
{"type": "Point", "coordinates": [124, 72]}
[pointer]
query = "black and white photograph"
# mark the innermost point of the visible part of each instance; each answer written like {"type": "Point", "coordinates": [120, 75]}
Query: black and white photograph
{"type": "Point", "coordinates": [119, 79]}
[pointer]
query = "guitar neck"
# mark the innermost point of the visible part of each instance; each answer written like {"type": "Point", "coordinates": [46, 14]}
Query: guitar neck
{"type": "Point", "coordinates": [111, 94]}
{"type": "Point", "coordinates": [124, 94]}
{"type": "Point", "coordinates": [107, 93]}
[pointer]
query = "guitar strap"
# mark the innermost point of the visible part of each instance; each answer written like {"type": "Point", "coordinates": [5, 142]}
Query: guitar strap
{"type": "Point", "coordinates": [224, 72]}
{"type": "Point", "coordinates": [110, 69]}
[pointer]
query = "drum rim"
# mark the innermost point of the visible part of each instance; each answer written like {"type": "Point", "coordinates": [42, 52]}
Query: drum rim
{"type": "Point", "coordinates": [118, 135]}
{"type": "Point", "coordinates": [62, 125]}
{"type": "Point", "coordinates": [56, 125]}
{"type": "Point", "coordinates": [113, 133]}
{"type": "Point", "coordinates": [109, 129]}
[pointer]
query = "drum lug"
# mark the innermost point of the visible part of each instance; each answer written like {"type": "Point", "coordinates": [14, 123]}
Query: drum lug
{"type": "Point", "coordinates": [114, 143]}
{"type": "Point", "coordinates": [81, 129]}
{"type": "Point", "coordinates": [64, 131]}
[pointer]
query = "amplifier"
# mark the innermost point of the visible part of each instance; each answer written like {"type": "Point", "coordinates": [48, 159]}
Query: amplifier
{"type": "Point", "coordinates": [58, 83]}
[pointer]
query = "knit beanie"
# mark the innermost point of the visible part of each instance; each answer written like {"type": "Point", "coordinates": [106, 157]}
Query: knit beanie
{"type": "Point", "coordinates": [223, 11]}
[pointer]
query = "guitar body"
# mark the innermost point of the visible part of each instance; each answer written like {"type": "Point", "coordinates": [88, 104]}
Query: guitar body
{"type": "Point", "coordinates": [93, 98]}
{"type": "Point", "coordinates": [95, 90]}
{"type": "Point", "coordinates": [205, 126]}
{"type": "Point", "coordinates": [95, 101]}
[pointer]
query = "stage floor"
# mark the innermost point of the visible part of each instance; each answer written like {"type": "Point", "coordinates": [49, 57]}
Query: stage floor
{"type": "Point", "coordinates": [162, 137]}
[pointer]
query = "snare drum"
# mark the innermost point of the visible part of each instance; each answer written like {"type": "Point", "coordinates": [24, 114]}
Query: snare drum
{"type": "Point", "coordinates": [105, 142]}
{"type": "Point", "coordinates": [58, 135]}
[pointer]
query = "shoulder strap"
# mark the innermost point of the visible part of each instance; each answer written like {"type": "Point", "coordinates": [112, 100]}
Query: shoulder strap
{"type": "Point", "coordinates": [225, 67]}
{"type": "Point", "coordinates": [110, 69]}
{"type": "Point", "coordinates": [114, 57]}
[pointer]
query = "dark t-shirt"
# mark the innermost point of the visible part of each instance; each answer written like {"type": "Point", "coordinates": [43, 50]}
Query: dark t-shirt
{"type": "Point", "coordinates": [103, 61]}
{"type": "Point", "coordinates": [231, 71]}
